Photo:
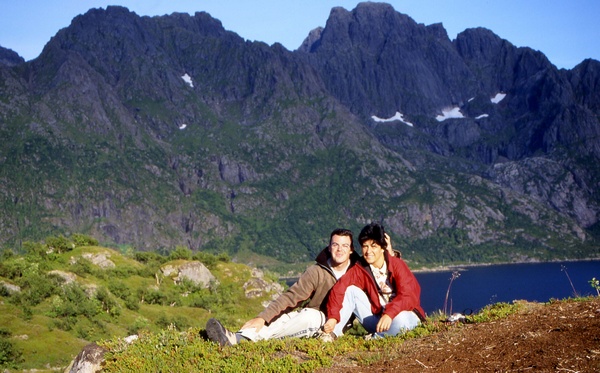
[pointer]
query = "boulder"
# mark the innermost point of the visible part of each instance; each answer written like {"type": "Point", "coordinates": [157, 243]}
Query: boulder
{"type": "Point", "coordinates": [194, 271]}
{"type": "Point", "coordinates": [89, 360]}
{"type": "Point", "coordinates": [68, 277]}
{"type": "Point", "coordinates": [257, 286]}
{"type": "Point", "coordinates": [10, 287]}
{"type": "Point", "coordinates": [99, 259]}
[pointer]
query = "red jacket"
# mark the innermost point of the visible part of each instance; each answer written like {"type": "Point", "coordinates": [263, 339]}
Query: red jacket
{"type": "Point", "coordinates": [402, 281]}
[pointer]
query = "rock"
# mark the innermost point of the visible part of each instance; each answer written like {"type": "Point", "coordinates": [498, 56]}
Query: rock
{"type": "Point", "coordinates": [89, 360]}
{"type": "Point", "coordinates": [257, 286]}
{"type": "Point", "coordinates": [10, 287]}
{"type": "Point", "coordinates": [99, 259]}
{"type": "Point", "coordinates": [194, 271]}
{"type": "Point", "coordinates": [68, 277]}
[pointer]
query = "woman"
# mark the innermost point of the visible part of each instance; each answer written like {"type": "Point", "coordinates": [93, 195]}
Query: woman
{"type": "Point", "coordinates": [380, 290]}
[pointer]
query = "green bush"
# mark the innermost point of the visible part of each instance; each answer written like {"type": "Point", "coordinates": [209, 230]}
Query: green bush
{"type": "Point", "coordinates": [180, 252]}
{"type": "Point", "coordinates": [140, 323]}
{"type": "Point", "coordinates": [132, 303]}
{"type": "Point", "coordinates": [83, 240]}
{"type": "Point", "coordinates": [119, 289]}
{"type": "Point", "coordinates": [73, 302]}
{"type": "Point", "coordinates": [59, 244]}
{"type": "Point", "coordinates": [83, 267]}
{"type": "Point", "coordinates": [13, 268]}
{"type": "Point", "coordinates": [149, 257]}
{"type": "Point", "coordinates": [35, 288]}
{"type": "Point", "coordinates": [107, 302]}
{"type": "Point", "coordinates": [10, 356]}
{"type": "Point", "coordinates": [152, 296]}
{"type": "Point", "coordinates": [35, 250]}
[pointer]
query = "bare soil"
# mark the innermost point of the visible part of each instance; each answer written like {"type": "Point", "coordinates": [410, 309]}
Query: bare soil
{"type": "Point", "coordinates": [561, 336]}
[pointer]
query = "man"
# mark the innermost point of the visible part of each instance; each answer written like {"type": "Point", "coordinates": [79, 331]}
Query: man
{"type": "Point", "coordinates": [281, 319]}
{"type": "Point", "coordinates": [380, 290]}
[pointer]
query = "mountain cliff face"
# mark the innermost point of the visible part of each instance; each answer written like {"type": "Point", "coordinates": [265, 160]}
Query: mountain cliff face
{"type": "Point", "coordinates": [163, 131]}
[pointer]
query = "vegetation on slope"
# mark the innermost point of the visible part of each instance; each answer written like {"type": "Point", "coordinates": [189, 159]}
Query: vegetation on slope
{"type": "Point", "coordinates": [65, 301]}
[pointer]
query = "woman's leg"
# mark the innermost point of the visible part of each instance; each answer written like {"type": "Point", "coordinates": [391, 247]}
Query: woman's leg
{"type": "Point", "coordinates": [356, 302]}
{"type": "Point", "coordinates": [404, 321]}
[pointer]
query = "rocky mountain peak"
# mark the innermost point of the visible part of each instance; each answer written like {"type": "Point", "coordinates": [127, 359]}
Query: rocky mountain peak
{"type": "Point", "coordinates": [160, 131]}
{"type": "Point", "coordinates": [10, 58]}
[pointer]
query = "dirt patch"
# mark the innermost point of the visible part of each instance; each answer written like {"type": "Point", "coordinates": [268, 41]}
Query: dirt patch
{"type": "Point", "coordinates": [557, 337]}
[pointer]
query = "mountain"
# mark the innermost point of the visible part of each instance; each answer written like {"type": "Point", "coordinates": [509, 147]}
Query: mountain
{"type": "Point", "coordinates": [154, 132]}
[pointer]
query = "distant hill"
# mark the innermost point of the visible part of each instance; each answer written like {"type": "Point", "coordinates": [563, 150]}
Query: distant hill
{"type": "Point", "coordinates": [154, 132]}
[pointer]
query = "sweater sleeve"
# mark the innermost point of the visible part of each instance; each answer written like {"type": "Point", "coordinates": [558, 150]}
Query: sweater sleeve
{"type": "Point", "coordinates": [302, 290]}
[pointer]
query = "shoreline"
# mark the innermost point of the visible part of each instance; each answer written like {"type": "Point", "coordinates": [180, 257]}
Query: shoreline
{"type": "Point", "coordinates": [454, 267]}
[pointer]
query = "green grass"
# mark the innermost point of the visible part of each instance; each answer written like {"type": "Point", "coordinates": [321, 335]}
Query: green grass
{"type": "Point", "coordinates": [48, 322]}
{"type": "Point", "coordinates": [189, 351]}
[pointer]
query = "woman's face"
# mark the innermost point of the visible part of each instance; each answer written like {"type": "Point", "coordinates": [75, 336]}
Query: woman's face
{"type": "Point", "coordinates": [373, 253]}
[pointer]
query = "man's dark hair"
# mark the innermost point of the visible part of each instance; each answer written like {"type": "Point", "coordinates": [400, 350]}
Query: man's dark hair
{"type": "Point", "coordinates": [342, 232]}
{"type": "Point", "coordinates": [374, 232]}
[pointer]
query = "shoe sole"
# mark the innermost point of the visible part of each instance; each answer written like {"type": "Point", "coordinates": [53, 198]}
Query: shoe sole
{"type": "Point", "coordinates": [216, 332]}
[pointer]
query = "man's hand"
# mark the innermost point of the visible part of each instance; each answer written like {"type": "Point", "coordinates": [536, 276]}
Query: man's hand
{"type": "Point", "coordinates": [256, 323]}
{"type": "Point", "coordinates": [329, 325]}
{"type": "Point", "coordinates": [384, 323]}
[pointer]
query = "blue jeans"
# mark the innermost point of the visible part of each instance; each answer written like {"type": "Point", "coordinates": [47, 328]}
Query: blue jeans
{"type": "Point", "coordinates": [356, 302]}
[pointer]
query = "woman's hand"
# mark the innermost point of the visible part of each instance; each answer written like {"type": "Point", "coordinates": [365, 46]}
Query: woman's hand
{"type": "Point", "coordinates": [329, 325]}
{"type": "Point", "coordinates": [388, 241]}
{"type": "Point", "coordinates": [384, 324]}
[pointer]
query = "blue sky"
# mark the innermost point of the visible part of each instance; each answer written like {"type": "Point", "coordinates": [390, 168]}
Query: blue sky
{"type": "Point", "coordinates": [567, 32]}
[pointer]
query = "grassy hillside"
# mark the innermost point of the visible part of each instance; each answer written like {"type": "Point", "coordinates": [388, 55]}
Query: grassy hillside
{"type": "Point", "coordinates": [66, 301]}
{"type": "Point", "coordinates": [62, 294]}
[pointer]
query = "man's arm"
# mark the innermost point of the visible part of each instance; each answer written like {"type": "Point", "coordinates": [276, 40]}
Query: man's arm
{"type": "Point", "coordinates": [302, 290]}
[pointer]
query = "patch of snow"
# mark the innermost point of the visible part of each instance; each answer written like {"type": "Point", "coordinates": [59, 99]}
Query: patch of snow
{"type": "Point", "coordinates": [449, 113]}
{"type": "Point", "coordinates": [482, 116]}
{"type": "Point", "coordinates": [471, 99]}
{"type": "Point", "coordinates": [499, 97]}
{"type": "Point", "coordinates": [182, 126]}
{"type": "Point", "coordinates": [188, 79]}
{"type": "Point", "coordinates": [398, 116]}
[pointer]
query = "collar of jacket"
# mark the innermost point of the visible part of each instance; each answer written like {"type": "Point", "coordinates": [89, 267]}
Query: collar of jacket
{"type": "Point", "coordinates": [324, 255]}
{"type": "Point", "coordinates": [367, 267]}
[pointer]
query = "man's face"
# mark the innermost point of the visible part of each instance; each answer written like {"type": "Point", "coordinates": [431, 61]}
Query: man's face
{"type": "Point", "coordinates": [340, 248]}
{"type": "Point", "coordinates": [373, 253]}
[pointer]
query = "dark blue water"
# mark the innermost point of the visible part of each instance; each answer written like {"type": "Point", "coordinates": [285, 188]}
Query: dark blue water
{"type": "Point", "coordinates": [477, 287]}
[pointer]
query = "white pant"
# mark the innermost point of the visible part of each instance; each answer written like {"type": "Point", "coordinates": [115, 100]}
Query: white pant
{"type": "Point", "coordinates": [357, 302]}
{"type": "Point", "coordinates": [303, 323]}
